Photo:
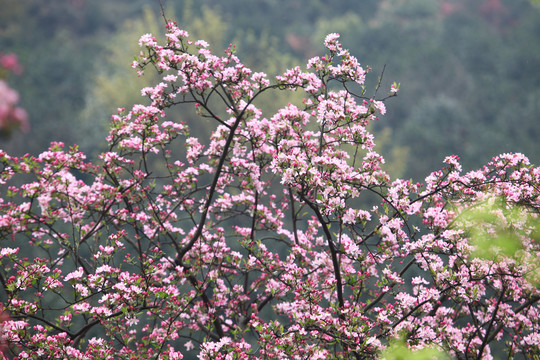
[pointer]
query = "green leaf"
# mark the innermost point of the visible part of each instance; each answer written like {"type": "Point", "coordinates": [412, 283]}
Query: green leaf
{"type": "Point", "coordinates": [398, 350]}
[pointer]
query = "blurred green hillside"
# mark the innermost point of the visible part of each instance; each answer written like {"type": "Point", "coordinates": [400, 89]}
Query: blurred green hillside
{"type": "Point", "coordinates": [469, 69]}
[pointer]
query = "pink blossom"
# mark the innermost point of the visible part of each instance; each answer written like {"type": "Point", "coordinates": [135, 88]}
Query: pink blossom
{"type": "Point", "coordinates": [330, 41]}
{"type": "Point", "coordinates": [255, 240]}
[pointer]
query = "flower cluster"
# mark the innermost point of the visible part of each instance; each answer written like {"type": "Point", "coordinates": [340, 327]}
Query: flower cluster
{"type": "Point", "coordinates": [11, 115]}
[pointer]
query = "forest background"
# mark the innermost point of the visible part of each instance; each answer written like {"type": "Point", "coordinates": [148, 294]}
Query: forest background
{"type": "Point", "coordinates": [469, 69]}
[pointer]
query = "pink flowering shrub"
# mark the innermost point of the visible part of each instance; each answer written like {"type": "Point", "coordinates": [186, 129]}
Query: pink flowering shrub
{"type": "Point", "coordinates": [11, 116]}
{"type": "Point", "coordinates": [274, 237]}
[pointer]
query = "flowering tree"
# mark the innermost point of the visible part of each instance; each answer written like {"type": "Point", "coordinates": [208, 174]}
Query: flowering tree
{"type": "Point", "coordinates": [11, 116]}
{"type": "Point", "coordinates": [274, 238]}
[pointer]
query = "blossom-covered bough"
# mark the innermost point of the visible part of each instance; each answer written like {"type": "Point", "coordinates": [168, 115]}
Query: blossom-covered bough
{"type": "Point", "coordinates": [275, 237]}
{"type": "Point", "coordinates": [11, 115]}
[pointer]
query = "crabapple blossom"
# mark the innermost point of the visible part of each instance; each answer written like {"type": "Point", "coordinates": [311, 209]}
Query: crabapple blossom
{"type": "Point", "coordinates": [275, 236]}
{"type": "Point", "coordinates": [11, 115]}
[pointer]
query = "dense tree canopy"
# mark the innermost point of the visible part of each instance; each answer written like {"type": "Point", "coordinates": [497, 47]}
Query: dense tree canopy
{"type": "Point", "coordinates": [275, 235]}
